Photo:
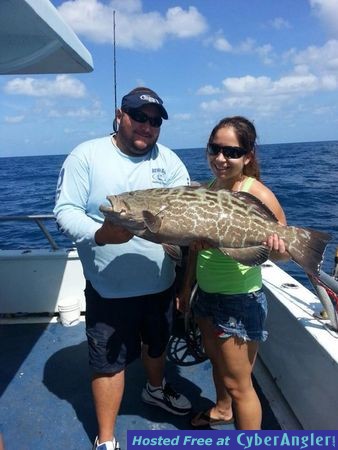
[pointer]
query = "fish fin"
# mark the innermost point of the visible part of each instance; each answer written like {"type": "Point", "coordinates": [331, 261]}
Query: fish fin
{"type": "Point", "coordinates": [259, 206]}
{"type": "Point", "coordinates": [249, 256]}
{"type": "Point", "coordinates": [152, 222]}
{"type": "Point", "coordinates": [308, 251]}
{"type": "Point", "coordinates": [175, 252]}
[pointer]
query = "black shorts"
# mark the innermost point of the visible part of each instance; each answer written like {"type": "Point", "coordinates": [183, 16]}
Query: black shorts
{"type": "Point", "coordinates": [116, 327]}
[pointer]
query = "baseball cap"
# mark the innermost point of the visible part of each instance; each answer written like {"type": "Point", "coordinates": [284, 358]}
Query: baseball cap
{"type": "Point", "coordinates": [138, 98]}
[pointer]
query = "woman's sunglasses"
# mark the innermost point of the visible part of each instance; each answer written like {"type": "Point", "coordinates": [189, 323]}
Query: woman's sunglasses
{"type": "Point", "coordinates": [141, 117]}
{"type": "Point", "coordinates": [227, 151]}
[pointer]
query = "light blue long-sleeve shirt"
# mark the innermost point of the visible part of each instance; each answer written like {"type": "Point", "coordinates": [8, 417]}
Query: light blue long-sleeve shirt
{"type": "Point", "coordinates": [92, 171]}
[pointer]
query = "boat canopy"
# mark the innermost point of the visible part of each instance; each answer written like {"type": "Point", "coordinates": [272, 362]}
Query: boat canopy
{"type": "Point", "coordinates": [35, 39]}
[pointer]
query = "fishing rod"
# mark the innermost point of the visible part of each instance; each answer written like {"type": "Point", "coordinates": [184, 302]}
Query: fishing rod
{"type": "Point", "coordinates": [114, 62]}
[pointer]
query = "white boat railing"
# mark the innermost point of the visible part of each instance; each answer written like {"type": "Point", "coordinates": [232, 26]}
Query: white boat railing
{"type": "Point", "coordinates": [39, 220]}
{"type": "Point", "coordinates": [322, 284]}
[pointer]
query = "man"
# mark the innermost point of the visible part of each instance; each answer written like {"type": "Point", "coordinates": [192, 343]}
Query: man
{"type": "Point", "coordinates": [129, 291]}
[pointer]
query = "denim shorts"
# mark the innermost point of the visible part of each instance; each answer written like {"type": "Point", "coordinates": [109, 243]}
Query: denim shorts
{"type": "Point", "coordinates": [241, 315]}
{"type": "Point", "coordinates": [116, 328]}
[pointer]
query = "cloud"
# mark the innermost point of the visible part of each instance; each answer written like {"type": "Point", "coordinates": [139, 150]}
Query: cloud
{"type": "Point", "coordinates": [94, 110]}
{"type": "Point", "coordinates": [14, 119]}
{"type": "Point", "coordinates": [248, 46]}
{"type": "Point", "coordinates": [208, 90]}
{"type": "Point", "coordinates": [318, 59]}
{"type": "Point", "coordinates": [265, 95]}
{"type": "Point", "coordinates": [79, 113]}
{"type": "Point", "coordinates": [327, 11]}
{"type": "Point", "coordinates": [323, 110]}
{"type": "Point", "coordinates": [182, 116]}
{"type": "Point", "coordinates": [278, 23]}
{"type": "Point", "coordinates": [314, 70]}
{"type": "Point", "coordinates": [185, 24]}
{"type": "Point", "coordinates": [222, 44]}
{"type": "Point", "coordinates": [248, 83]}
{"type": "Point", "coordinates": [295, 83]}
{"type": "Point", "coordinates": [70, 130]}
{"type": "Point", "coordinates": [134, 28]}
{"type": "Point", "coordinates": [90, 18]}
{"type": "Point", "coordinates": [61, 86]}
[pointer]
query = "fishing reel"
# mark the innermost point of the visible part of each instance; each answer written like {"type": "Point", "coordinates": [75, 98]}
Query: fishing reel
{"type": "Point", "coordinates": [185, 346]}
{"type": "Point", "coordinates": [193, 333]}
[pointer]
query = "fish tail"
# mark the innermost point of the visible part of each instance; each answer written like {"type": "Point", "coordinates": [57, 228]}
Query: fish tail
{"type": "Point", "coordinates": [308, 249]}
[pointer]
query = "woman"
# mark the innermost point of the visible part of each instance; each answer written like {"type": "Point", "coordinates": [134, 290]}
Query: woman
{"type": "Point", "coordinates": [230, 307]}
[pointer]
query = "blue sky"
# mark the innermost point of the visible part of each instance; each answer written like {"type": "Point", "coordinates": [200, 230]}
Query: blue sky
{"type": "Point", "coordinates": [276, 62]}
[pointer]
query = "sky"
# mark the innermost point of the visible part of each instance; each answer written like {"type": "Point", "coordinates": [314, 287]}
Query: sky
{"type": "Point", "coordinates": [273, 61]}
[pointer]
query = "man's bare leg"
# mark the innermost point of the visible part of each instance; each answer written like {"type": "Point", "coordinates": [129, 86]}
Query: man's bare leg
{"type": "Point", "coordinates": [107, 392]}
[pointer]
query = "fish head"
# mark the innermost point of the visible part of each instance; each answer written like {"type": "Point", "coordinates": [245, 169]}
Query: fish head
{"type": "Point", "coordinates": [125, 210]}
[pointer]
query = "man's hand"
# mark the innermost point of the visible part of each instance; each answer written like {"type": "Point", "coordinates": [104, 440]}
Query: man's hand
{"type": "Point", "coordinates": [199, 245]}
{"type": "Point", "coordinates": [110, 233]}
{"type": "Point", "coordinates": [183, 299]}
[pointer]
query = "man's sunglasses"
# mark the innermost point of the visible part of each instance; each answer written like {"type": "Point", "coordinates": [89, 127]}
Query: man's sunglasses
{"type": "Point", "coordinates": [141, 117]}
{"type": "Point", "coordinates": [227, 151]}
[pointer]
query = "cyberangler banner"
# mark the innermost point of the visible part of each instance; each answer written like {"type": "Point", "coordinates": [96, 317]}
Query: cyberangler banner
{"type": "Point", "coordinates": [231, 440]}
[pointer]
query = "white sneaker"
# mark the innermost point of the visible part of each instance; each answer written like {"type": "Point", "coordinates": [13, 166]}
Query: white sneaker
{"type": "Point", "coordinates": [167, 398]}
{"type": "Point", "coordinates": [108, 445]}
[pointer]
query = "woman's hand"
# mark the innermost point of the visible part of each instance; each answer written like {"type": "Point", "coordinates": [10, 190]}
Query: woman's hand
{"type": "Point", "coordinates": [275, 243]}
{"type": "Point", "coordinates": [277, 248]}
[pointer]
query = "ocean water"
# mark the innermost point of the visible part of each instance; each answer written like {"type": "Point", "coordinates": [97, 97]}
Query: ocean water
{"type": "Point", "coordinates": [304, 177]}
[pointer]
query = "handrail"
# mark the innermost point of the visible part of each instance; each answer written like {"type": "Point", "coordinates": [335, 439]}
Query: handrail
{"type": "Point", "coordinates": [323, 284]}
{"type": "Point", "coordinates": [320, 285]}
{"type": "Point", "coordinates": [329, 281]}
{"type": "Point", "coordinates": [335, 269]}
{"type": "Point", "coordinates": [38, 219]}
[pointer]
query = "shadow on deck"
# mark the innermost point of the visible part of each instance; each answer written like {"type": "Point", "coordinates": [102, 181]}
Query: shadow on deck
{"type": "Point", "coordinates": [46, 400]}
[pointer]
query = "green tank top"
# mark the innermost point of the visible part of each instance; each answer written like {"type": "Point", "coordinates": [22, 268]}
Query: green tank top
{"type": "Point", "coordinates": [218, 273]}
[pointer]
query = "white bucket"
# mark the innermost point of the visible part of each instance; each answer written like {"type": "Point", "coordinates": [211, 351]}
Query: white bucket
{"type": "Point", "coordinates": [69, 312]}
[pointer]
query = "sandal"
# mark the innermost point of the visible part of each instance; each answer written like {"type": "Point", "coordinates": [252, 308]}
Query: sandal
{"type": "Point", "coordinates": [203, 419]}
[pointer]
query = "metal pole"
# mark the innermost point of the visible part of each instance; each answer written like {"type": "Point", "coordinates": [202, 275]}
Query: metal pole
{"type": "Point", "coordinates": [329, 281]}
{"type": "Point", "coordinates": [115, 94]}
{"type": "Point", "coordinates": [335, 269]}
{"type": "Point", "coordinates": [329, 307]}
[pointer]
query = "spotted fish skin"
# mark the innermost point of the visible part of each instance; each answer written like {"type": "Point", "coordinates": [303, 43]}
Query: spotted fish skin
{"type": "Point", "coordinates": [235, 222]}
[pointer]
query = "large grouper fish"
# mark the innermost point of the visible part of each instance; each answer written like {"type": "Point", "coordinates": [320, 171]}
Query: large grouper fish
{"type": "Point", "coordinates": [237, 223]}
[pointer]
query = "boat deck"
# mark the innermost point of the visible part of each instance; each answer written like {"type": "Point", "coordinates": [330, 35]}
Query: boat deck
{"type": "Point", "coordinates": [46, 401]}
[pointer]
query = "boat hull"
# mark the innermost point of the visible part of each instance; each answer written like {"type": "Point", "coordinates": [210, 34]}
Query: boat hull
{"type": "Point", "coordinates": [301, 351]}
{"type": "Point", "coordinates": [37, 281]}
